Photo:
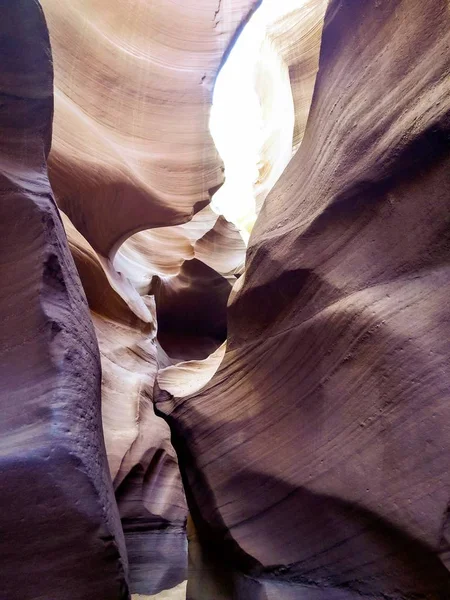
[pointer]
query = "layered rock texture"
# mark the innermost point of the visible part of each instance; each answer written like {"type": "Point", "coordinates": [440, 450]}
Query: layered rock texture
{"type": "Point", "coordinates": [283, 408]}
{"type": "Point", "coordinates": [133, 83]}
{"type": "Point", "coordinates": [116, 168]}
{"type": "Point", "coordinates": [316, 460]}
{"type": "Point", "coordinates": [60, 533]}
{"type": "Point", "coordinates": [262, 98]}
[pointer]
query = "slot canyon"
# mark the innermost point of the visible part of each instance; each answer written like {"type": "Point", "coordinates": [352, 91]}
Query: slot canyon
{"type": "Point", "coordinates": [224, 299]}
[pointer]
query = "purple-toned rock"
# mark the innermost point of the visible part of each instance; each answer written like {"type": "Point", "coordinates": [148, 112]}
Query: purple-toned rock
{"type": "Point", "coordinates": [60, 535]}
{"type": "Point", "coordinates": [316, 461]}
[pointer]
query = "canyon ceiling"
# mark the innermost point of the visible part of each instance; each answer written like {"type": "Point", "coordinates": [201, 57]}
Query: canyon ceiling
{"type": "Point", "coordinates": [281, 404]}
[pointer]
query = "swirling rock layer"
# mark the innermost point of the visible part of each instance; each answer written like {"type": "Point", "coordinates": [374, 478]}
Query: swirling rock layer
{"type": "Point", "coordinates": [142, 461]}
{"type": "Point", "coordinates": [316, 459]}
{"type": "Point", "coordinates": [60, 534]}
{"type": "Point", "coordinates": [133, 84]}
{"type": "Point", "coordinates": [131, 150]}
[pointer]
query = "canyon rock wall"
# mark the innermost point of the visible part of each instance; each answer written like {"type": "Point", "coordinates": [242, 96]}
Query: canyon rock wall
{"type": "Point", "coordinates": [131, 150]}
{"type": "Point", "coordinates": [189, 319]}
{"type": "Point", "coordinates": [60, 533]}
{"type": "Point", "coordinates": [310, 417]}
{"type": "Point", "coordinates": [133, 84]}
{"type": "Point", "coordinates": [142, 461]}
{"type": "Point", "coordinates": [315, 462]}
{"type": "Point", "coordinates": [52, 426]}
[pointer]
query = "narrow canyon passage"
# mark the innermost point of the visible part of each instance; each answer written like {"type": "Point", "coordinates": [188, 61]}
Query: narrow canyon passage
{"type": "Point", "coordinates": [224, 250]}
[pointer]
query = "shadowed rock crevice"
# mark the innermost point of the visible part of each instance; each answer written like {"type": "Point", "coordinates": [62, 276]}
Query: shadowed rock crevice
{"type": "Point", "coordinates": [191, 310]}
{"type": "Point", "coordinates": [297, 391]}
{"type": "Point", "coordinates": [319, 450]}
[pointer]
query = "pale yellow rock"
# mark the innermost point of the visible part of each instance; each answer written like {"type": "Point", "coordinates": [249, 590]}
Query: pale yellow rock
{"type": "Point", "coordinates": [161, 251]}
{"type": "Point", "coordinates": [176, 593]}
{"type": "Point", "coordinates": [262, 98]}
{"type": "Point", "coordinates": [188, 377]}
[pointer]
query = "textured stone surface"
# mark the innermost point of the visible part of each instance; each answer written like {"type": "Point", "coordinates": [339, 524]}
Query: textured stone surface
{"type": "Point", "coordinates": [60, 534]}
{"type": "Point", "coordinates": [191, 309]}
{"type": "Point", "coordinates": [316, 459]}
{"type": "Point", "coordinates": [133, 85]}
{"type": "Point", "coordinates": [141, 458]}
{"type": "Point", "coordinates": [287, 64]}
{"type": "Point", "coordinates": [296, 37]}
{"type": "Point", "coordinates": [261, 102]}
{"type": "Point", "coordinates": [176, 593]}
{"type": "Point", "coordinates": [131, 150]}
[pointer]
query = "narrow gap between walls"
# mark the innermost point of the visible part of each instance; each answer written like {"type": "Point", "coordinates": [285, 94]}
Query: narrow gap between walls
{"type": "Point", "coordinates": [247, 124]}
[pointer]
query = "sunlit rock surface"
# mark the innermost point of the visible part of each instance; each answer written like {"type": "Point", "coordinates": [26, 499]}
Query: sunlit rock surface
{"type": "Point", "coordinates": [161, 251]}
{"type": "Point", "coordinates": [60, 534]}
{"type": "Point", "coordinates": [176, 593]}
{"type": "Point", "coordinates": [311, 417]}
{"type": "Point", "coordinates": [142, 461]}
{"type": "Point", "coordinates": [128, 154]}
{"type": "Point", "coordinates": [133, 84]}
{"type": "Point", "coordinates": [316, 459]}
{"type": "Point", "coordinates": [296, 36]}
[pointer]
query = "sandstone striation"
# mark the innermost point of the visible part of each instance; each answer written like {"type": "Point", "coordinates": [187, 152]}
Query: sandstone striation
{"type": "Point", "coordinates": [303, 383]}
{"type": "Point", "coordinates": [262, 97]}
{"type": "Point", "coordinates": [115, 170]}
{"type": "Point", "coordinates": [133, 84]}
{"type": "Point", "coordinates": [60, 534]}
{"type": "Point", "coordinates": [316, 459]}
{"type": "Point", "coordinates": [129, 154]}
{"type": "Point", "coordinates": [141, 459]}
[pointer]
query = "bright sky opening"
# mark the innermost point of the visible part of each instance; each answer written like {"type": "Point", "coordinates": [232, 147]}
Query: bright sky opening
{"type": "Point", "coordinates": [236, 121]}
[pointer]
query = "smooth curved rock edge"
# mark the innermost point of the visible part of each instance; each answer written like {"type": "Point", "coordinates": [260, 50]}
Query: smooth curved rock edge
{"type": "Point", "coordinates": [316, 460]}
{"type": "Point", "coordinates": [60, 534]}
{"type": "Point", "coordinates": [131, 147]}
{"type": "Point", "coordinates": [105, 156]}
{"type": "Point", "coordinates": [344, 299]}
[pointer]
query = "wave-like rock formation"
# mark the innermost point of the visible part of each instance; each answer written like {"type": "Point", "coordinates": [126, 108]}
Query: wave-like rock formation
{"type": "Point", "coordinates": [296, 36]}
{"type": "Point", "coordinates": [129, 154]}
{"type": "Point", "coordinates": [112, 175]}
{"type": "Point", "coordinates": [191, 301]}
{"type": "Point", "coordinates": [285, 74]}
{"type": "Point", "coordinates": [60, 534]}
{"type": "Point", "coordinates": [142, 461]}
{"type": "Point", "coordinates": [133, 83]}
{"type": "Point", "coordinates": [316, 460]}
{"type": "Point", "coordinates": [262, 98]}
{"type": "Point", "coordinates": [304, 446]}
